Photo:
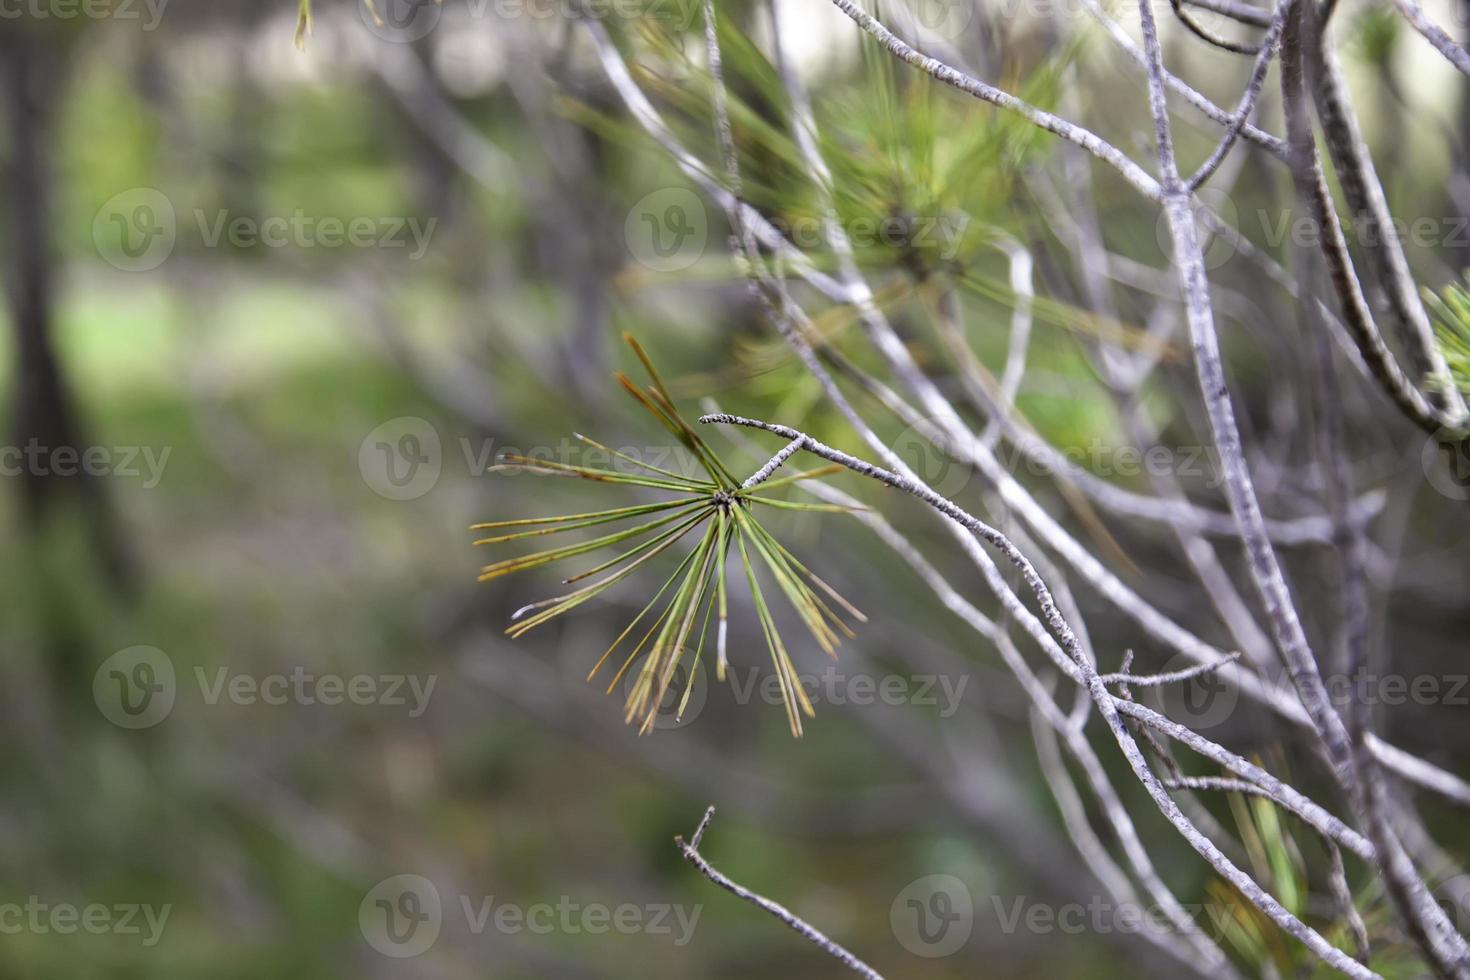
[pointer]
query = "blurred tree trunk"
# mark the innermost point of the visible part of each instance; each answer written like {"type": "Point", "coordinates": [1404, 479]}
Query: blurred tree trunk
{"type": "Point", "coordinates": [43, 410]}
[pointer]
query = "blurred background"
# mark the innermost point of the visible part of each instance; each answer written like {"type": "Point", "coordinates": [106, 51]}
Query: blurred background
{"type": "Point", "coordinates": [288, 303]}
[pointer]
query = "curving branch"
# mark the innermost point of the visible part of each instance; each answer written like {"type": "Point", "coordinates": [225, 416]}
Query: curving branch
{"type": "Point", "coordinates": [1068, 131]}
{"type": "Point", "coordinates": [1266, 51]}
{"type": "Point", "coordinates": [1058, 630]}
{"type": "Point", "coordinates": [1108, 707]}
{"type": "Point", "coordinates": [1435, 35]}
{"type": "Point", "coordinates": [1374, 226]}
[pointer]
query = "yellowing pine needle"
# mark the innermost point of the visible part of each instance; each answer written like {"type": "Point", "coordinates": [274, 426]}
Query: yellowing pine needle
{"type": "Point", "coordinates": [696, 594]}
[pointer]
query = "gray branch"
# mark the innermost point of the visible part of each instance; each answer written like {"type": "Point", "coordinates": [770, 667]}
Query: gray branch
{"type": "Point", "coordinates": [800, 926]}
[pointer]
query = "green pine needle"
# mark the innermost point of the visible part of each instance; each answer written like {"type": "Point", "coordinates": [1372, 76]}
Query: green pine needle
{"type": "Point", "coordinates": [695, 596]}
{"type": "Point", "coordinates": [1452, 311]}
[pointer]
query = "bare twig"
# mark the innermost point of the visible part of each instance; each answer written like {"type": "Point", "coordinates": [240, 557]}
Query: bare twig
{"type": "Point", "coordinates": [690, 850]}
{"type": "Point", "coordinates": [1435, 35]}
{"type": "Point", "coordinates": [1106, 704]}
{"type": "Point", "coordinates": [1248, 97]}
{"type": "Point", "coordinates": [1172, 677]}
